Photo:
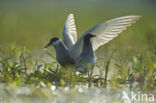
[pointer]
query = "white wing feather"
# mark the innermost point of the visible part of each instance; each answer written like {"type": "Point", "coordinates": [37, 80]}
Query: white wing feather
{"type": "Point", "coordinates": [110, 29]}
{"type": "Point", "coordinates": [104, 32]}
{"type": "Point", "coordinates": [69, 31]}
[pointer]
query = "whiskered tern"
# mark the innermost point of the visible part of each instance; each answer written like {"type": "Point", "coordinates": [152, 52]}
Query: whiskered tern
{"type": "Point", "coordinates": [71, 50]}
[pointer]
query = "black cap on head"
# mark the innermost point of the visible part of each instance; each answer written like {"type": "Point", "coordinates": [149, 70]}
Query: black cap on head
{"type": "Point", "coordinates": [51, 41]}
{"type": "Point", "coordinates": [54, 39]}
{"type": "Point", "coordinates": [88, 37]}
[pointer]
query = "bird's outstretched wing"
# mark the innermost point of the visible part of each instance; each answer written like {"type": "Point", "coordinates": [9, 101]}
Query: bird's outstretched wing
{"type": "Point", "coordinates": [104, 32]}
{"type": "Point", "coordinates": [69, 31]}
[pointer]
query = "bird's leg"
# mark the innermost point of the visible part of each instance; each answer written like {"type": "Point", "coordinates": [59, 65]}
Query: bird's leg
{"type": "Point", "coordinates": [57, 69]}
{"type": "Point", "coordinates": [82, 75]}
{"type": "Point", "coordinates": [90, 76]}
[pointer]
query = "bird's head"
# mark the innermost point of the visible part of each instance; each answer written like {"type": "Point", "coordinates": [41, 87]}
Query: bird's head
{"type": "Point", "coordinates": [88, 38]}
{"type": "Point", "coordinates": [54, 41]}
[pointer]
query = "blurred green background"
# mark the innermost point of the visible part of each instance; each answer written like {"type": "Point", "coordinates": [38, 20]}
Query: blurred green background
{"type": "Point", "coordinates": [32, 23]}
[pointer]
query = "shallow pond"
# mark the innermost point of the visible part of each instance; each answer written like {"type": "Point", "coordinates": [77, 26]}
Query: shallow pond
{"type": "Point", "coordinates": [79, 94]}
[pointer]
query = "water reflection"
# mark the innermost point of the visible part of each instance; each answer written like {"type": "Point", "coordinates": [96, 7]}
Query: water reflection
{"type": "Point", "coordinates": [79, 93]}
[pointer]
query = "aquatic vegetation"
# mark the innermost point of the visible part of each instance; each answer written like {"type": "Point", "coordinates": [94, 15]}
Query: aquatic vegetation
{"type": "Point", "coordinates": [22, 77]}
{"type": "Point", "coordinates": [22, 68]}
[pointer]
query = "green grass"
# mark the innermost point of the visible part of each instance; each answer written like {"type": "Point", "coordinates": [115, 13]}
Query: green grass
{"type": "Point", "coordinates": [21, 68]}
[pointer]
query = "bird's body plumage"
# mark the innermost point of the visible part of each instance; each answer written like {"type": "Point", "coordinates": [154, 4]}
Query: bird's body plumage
{"type": "Point", "coordinates": [62, 54]}
{"type": "Point", "coordinates": [87, 58]}
{"type": "Point", "coordinates": [104, 32]}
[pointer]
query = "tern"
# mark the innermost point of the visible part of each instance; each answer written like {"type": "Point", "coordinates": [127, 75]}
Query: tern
{"type": "Point", "coordinates": [73, 51]}
{"type": "Point", "coordinates": [62, 53]}
{"type": "Point", "coordinates": [87, 58]}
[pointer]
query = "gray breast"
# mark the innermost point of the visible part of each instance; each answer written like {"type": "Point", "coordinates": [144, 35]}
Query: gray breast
{"type": "Point", "coordinates": [64, 58]}
{"type": "Point", "coordinates": [62, 55]}
{"type": "Point", "coordinates": [86, 60]}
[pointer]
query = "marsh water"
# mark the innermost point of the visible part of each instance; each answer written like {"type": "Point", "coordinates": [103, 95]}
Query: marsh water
{"type": "Point", "coordinates": [79, 94]}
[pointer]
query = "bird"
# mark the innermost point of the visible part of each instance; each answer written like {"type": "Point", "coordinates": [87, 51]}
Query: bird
{"type": "Point", "coordinates": [62, 47]}
{"type": "Point", "coordinates": [62, 53]}
{"type": "Point", "coordinates": [74, 50]}
{"type": "Point", "coordinates": [87, 58]}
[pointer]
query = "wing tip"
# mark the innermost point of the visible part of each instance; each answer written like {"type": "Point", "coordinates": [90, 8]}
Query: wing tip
{"type": "Point", "coordinates": [71, 14]}
{"type": "Point", "coordinates": [137, 17]}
